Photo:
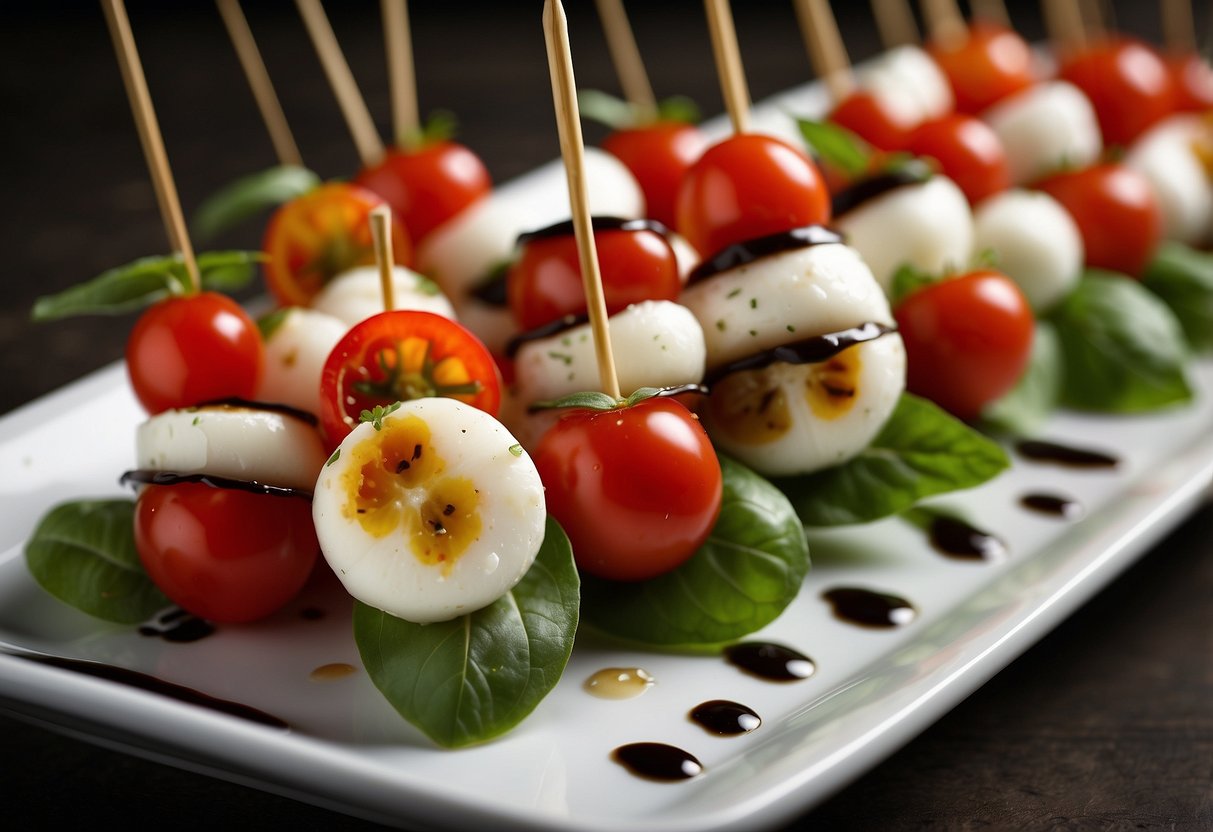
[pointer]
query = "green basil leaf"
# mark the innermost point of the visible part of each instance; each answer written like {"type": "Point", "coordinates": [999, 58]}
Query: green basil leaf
{"type": "Point", "coordinates": [228, 271]}
{"type": "Point", "coordinates": [475, 677]}
{"type": "Point", "coordinates": [1034, 397]}
{"type": "Point", "coordinates": [441, 126]}
{"type": "Point", "coordinates": [678, 108]}
{"type": "Point", "coordinates": [907, 280]}
{"type": "Point", "coordinates": [740, 580]}
{"type": "Point", "coordinates": [249, 196]}
{"type": "Point", "coordinates": [84, 554]}
{"type": "Point", "coordinates": [836, 146]}
{"type": "Point", "coordinates": [1183, 278]}
{"type": "Point", "coordinates": [1122, 347]}
{"type": "Point", "coordinates": [605, 108]}
{"type": "Point", "coordinates": [590, 400]}
{"type": "Point", "coordinates": [921, 451]}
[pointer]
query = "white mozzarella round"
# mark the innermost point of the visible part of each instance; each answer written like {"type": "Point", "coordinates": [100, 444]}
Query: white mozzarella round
{"type": "Point", "coordinates": [928, 226]}
{"type": "Point", "coordinates": [462, 253]}
{"type": "Point", "coordinates": [908, 74]}
{"type": "Point", "coordinates": [685, 255]}
{"type": "Point", "coordinates": [295, 351]}
{"type": "Point", "coordinates": [1034, 241]}
{"type": "Point", "coordinates": [1045, 128]}
{"type": "Point", "coordinates": [1167, 156]}
{"type": "Point", "coordinates": [356, 295]}
{"type": "Point", "coordinates": [612, 189]}
{"type": "Point", "coordinates": [240, 443]}
{"type": "Point", "coordinates": [437, 514]}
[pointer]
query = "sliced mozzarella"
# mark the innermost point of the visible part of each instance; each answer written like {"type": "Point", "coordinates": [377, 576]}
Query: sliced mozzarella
{"type": "Point", "coordinates": [295, 351]}
{"type": "Point", "coordinates": [612, 189]}
{"type": "Point", "coordinates": [1035, 243]}
{"type": "Point", "coordinates": [1168, 156]}
{"type": "Point", "coordinates": [356, 295]}
{"type": "Point", "coordinates": [436, 514]}
{"type": "Point", "coordinates": [240, 443]}
{"type": "Point", "coordinates": [1045, 128]}
{"type": "Point", "coordinates": [909, 85]}
{"type": "Point", "coordinates": [463, 252]}
{"type": "Point", "coordinates": [928, 226]}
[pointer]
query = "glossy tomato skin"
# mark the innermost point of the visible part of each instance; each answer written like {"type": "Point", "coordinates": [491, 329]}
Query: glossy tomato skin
{"type": "Point", "coordinates": [192, 349]}
{"type": "Point", "coordinates": [658, 155]}
{"type": "Point", "coordinates": [1116, 211]}
{"type": "Point", "coordinates": [224, 554]}
{"type": "Point", "coordinates": [315, 237]}
{"type": "Point", "coordinates": [990, 64]}
{"type": "Point", "coordinates": [968, 152]}
{"type": "Point", "coordinates": [545, 283]}
{"type": "Point", "coordinates": [637, 489]}
{"type": "Point", "coordinates": [968, 340]}
{"type": "Point", "coordinates": [440, 358]}
{"type": "Point", "coordinates": [428, 185]}
{"type": "Point", "coordinates": [1128, 84]}
{"type": "Point", "coordinates": [864, 115]}
{"type": "Point", "coordinates": [1192, 83]}
{"type": "Point", "coordinates": [748, 186]}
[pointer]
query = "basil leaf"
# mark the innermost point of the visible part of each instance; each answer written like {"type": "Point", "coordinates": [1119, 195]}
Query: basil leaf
{"type": "Point", "coordinates": [921, 451]}
{"type": "Point", "coordinates": [1123, 349]}
{"type": "Point", "coordinates": [475, 677]}
{"type": "Point", "coordinates": [1034, 397]}
{"type": "Point", "coordinates": [1183, 278]}
{"type": "Point", "coordinates": [249, 196]}
{"type": "Point", "coordinates": [441, 126]}
{"type": "Point", "coordinates": [605, 108]}
{"type": "Point", "coordinates": [678, 108]}
{"type": "Point", "coordinates": [907, 280]}
{"type": "Point", "coordinates": [836, 146]}
{"type": "Point", "coordinates": [740, 580]}
{"type": "Point", "coordinates": [84, 554]}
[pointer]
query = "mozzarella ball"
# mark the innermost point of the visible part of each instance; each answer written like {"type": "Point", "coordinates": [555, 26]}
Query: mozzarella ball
{"type": "Point", "coordinates": [908, 83]}
{"type": "Point", "coordinates": [1035, 243]}
{"type": "Point", "coordinates": [295, 351]}
{"type": "Point", "coordinates": [356, 295]}
{"type": "Point", "coordinates": [1167, 155]}
{"type": "Point", "coordinates": [1045, 128]}
{"type": "Point", "coordinates": [462, 253]}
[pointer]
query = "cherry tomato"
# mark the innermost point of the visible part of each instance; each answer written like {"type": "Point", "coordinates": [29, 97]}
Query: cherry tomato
{"type": "Point", "coordinates": [1128, 84]}
{"type": "Point", "coordinates": [224, 554]}
{"type": "Point", "coordinates": [992, 63]}
{"type": "Point", "coordinates": [1116, 211]}
{"type": "Point", "coordinates": [658, 155]}
{"type": "Point", "coordinates": [544, 283]}
{"type": "Point", "coordinates": [864, 115]}
{"type": "Point", "coordinates": [428, 185]}
{"type": "Point", "coordinates": [968, 340]}
{"type": "Point", "coordinates": [399, 356]}
{"type": "Point", "coordinates": [1192, 83]}
{"type": "Point", "coordinates": [748, 186]}
{"type": "Point", "coordinates": [312, 239]}
{"type": "Point", "coordinates": [968, 151]}
{"type": "Point", "coordinates": [192, 349]}
{"type": "Point", "coordinates": [637, 489]}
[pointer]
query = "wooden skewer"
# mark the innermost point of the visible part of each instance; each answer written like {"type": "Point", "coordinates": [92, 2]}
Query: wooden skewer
{"type": "Point", "coordinates": [895, 21]}
{"type": "Point", "coordinates": [1093, 18]}
{"type": "Point", "coordinates": [381, 238]}
{"type": "Point", "coordinates": [1178, 27]}
{"type": "Point", "coordinates": [945, 22]}
{"type": "Point", "coordinates": [991, 11]}
{"type": "Point", "coordinates": [357, 117]}
{"type": "Point", "coordinates": [402, 78]}
{"type": "Point", "coordinates": [149, 136]}
{"type": "Point", "coordinates": [572, 149]}
{"type": "Point", "coordinates": [826, 50]}
{"type": "Point", "coordinates": [728, 64]}
{"type": "Point", "coordinates": [1063, 20]}
{"type": "Point", "coordinates": [259, 81]}
{"type": "Point", "coordinates": [625, 55]}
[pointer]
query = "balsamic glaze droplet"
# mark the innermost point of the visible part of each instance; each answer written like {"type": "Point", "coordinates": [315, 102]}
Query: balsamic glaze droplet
{"type": "Point", "coordinates": [957, 539]}
{"type": "Point", "coordinates": [657, 761]}
{"type": "Point", "coordinates": [812, 350]}
{"type": "Point", "coordinates": [1041, 451]}
{"type": "Point", "coordinates": [769, 661]}
{"type": "Point", "coordinates": [1052, 504]}
{"type": "Point", "coordinates": [177, 626]}
{"type": "Point", "coordinates": [311, 613]}
{"type": "Point", "coordinates": [725, 718]}
{"type": "Point", "coordinates": [868, 608]}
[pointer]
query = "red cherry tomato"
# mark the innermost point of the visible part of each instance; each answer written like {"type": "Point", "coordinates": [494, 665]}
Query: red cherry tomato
{"type": "Point", "coordinates": [990, 64]}
{"type": "Point", "coordinates": [968, 151]}
{"type": "Point", "coordinates": [637, 489]}
{"type": "Point", "coordinates": [1128, 84]}
{"type": "Point", "coordinates": [1116, 211]}
{"type": "Point", "coordinates": [748, 186]}
{"type": "Point", "coordinates": [315, 237]}
{"type": "Point", "coordinates": [1192, 83]}
{"type": "Point", "coordinates": [864, 115]}
{"type": "Point", "coordinates": [658, 155]}
{"type": "Point", "coordinates": [544, 283]}
{"type": "Point", "coordinates": [192, 349]}
{"type": "Point", "coordinates": [968, 340]}
{"type": "Point", "coordinates": [428, 185]}
{"type": "Point", "coordinates": [399, 356]}
{"type": "Point", "coordinates": [224, 554]}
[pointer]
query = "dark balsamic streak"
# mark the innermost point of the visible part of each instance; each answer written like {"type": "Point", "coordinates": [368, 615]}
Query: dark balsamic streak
{"type": "Point", "coordinates": [1041, 451]}
{"type": "Point", "coordinates": [565, 228]}
{"type": "Point", "coordinates": [805, 351]}
{"type": "Point", "coordinates": [850, 198]}
{"type": "Point", "coordinates": [178, 626]}
{"type": "Point", "coordinates": [725, 718]}
{"type": "Point", "coordinates": [769, 661]}
{"type": "Point", "coordinates": [1052, 504]}
{"type": "Point", "coordinates": [870, 609]}
{"type": "Point", "coordinates": [269, 407]}
{"type": "Point", "coordinates": [957, 539]}
{"type": "Point", "coordinates": [657, 761]}
{"type": "Point", "coordinates": [143, 476]}
{"type": "Point", "coordinates": [744, 253]}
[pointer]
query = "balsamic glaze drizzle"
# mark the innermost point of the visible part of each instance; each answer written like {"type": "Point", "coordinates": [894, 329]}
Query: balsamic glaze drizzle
{"type": "Point", "coordinates": [868, 608]}
{"type": "Point", "coordinates": [269, 407]}
{"type": "Point", "coordinates": [725, 718]}
{"type": "Point", "coordinates": [957, 539]}
{"type": "Point", "coordinates": [564, 228]}
{"type": "Point", "coordinates": [1039, 450]}
{"type": "Point", "coordinates": [657, 761]}
{"type": "Point", "coordinates": [805, 351]}
{"type": "Point", "coordinates": [144, 476]}
{"type": "Point", "coordinates": [769, 661]}
{"type": "Point", "coordinates": [1052, 504]}
{"type": "Point", "coordinates": [912, 172]}
{"type": "Point", "coordinates": [747, 251]}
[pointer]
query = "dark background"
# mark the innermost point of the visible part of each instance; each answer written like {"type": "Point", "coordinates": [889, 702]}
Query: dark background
{"type": "Point", "coordinates": [1106, 724]}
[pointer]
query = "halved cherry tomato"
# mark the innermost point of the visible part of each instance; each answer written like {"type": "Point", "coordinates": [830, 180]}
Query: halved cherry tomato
{"type": "Point", "coordinates": [990, 64]}
{"type": "Point", "coordinates": [1192, 82]}
{"type": "Point", "coordinates": [1116, 211]}
{"type": "Point", "coordinates": [658, 155]}
{"type": "Point", "coordinates": [399, 356]}
{"type": "Point", "coordinates": [315, 237]}
{"type": "Point", "coordinates": [192, 349]}
{"type": "Point", "coordinates": [544, 283]}
{"type": "Point", "coordinates": [968, 151]}
{"type": "Point", "coordinates": [224, 554]}
{"type": "Point", "coordinates": [428, 185]}
{"type": "Point", "coordinates": [1128, 84]}
{"type": "Point", "coordinates": [968, 340]}
{"type": "Point", "coordinates": [749, 186]}
{"type": "Point", "coordinates": [864, 115]}
{"type": "Point", "coordinates": [637, 489]}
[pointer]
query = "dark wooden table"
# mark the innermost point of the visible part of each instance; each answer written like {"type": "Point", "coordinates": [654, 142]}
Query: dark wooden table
{"type": "Point", "coordinates": [1106, 724]}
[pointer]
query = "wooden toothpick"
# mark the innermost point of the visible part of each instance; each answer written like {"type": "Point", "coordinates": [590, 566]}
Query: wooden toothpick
{"type": "Point", "coordinates": [826, 50]}
{"type": "Point", "coordinates": [895, 21]}
{"type": "Point", "coordinates": [381, 238]}
{"type": "Point", "coordinates": [1178, 28]}
{"type": "Point", "coordinates": [991, 11]}
{"type": "Point", "coordinates": [1063, 20]}
{"type": "Point", "coordinates": [625, 55]}
{"type": "Point", "coordinates": [402, 77]}
{"type": "Point", "coordinates": [150, 138]}
{"type": "Point", "coordinates": [572, 149]}
{"type": "Point", "coordinates": [945, 22]}
{"type": "Point", "coordinates": [728, 64]}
